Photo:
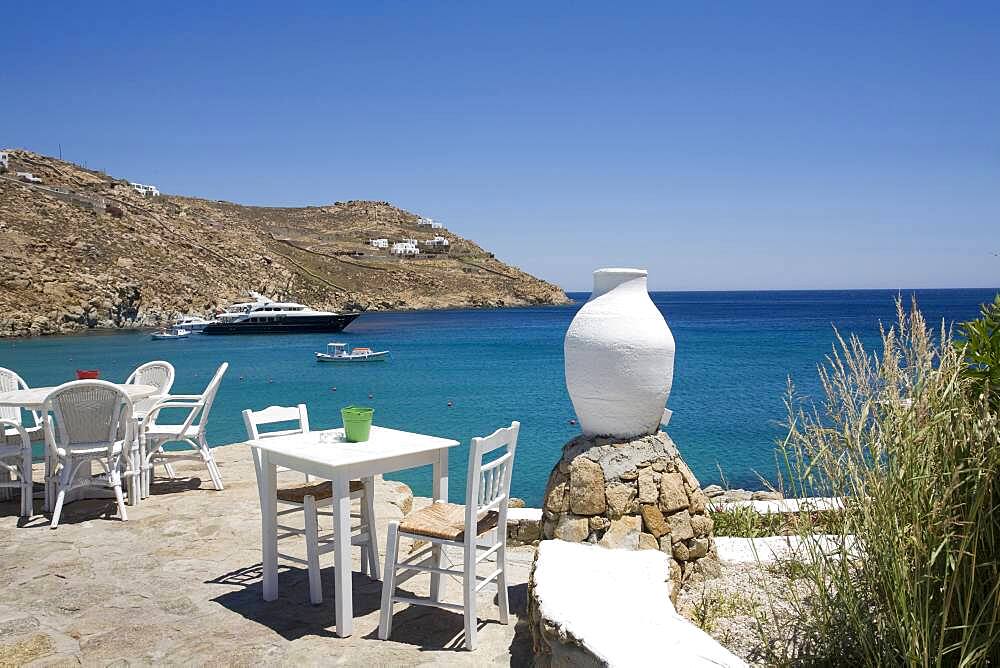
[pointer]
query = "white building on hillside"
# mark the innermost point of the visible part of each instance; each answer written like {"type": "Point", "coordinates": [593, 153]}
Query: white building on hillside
{"type": "Point", "coordinates": [436, 241]}
{"type": "Point", "coordinates": [378, 243]}
{"type": "Point", "coordinates": [429, 222]}
{"type": "Point", "coordinates": [405, 248]}
{"type": "Point", "coordinates": [145, 190]}
{"type": "Point", "coordinates": [4, 160]}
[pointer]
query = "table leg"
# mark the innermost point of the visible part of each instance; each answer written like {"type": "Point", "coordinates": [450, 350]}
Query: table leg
{"type": "Point", "coordinates": [269, 526]}
{"type": "Point", "coordinates": [440, 494]}
{"type": "Point", "coordinates": [342, 565]}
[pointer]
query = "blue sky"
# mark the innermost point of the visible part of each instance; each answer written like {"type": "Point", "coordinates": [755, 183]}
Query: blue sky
{"type": "Point", "coordinates": [722, 145]}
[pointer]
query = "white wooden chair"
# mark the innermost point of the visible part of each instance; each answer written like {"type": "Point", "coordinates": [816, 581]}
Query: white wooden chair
{"type": "Point", "coordinates": [11, 427]}
{"type": "Point", "coordinates": [191, 432]}
{"type": "Point", "coordinates": [307, 498]}
{"type": "Point", "coordinates": [447, 524]}
{"type": "Point", "coordinates": [90, 421]}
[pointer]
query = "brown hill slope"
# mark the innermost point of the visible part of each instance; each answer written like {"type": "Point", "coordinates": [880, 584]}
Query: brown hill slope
{"type": "Point", "coordinates": [83, 249]}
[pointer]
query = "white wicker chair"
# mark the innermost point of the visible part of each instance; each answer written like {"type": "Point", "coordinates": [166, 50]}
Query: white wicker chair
{"type": "Point", "coordinates": [448, 524]}
{"type": "Point", "coordinates": [307, 498]}
{"type": "Point", "coordinates": [91, 421]}
{"type": "Point", "coordinates": [191, 432]}
{"type": "Point", "coordinates": [160, 375]}
{"type": "Point", "coordinates": [11, 426]}
{"type": "Point", "coordinates": [15, 465]}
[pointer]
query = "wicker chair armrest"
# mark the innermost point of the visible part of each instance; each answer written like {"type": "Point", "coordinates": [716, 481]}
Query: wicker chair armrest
{"type": "Point", "coordinates": [6, 422]}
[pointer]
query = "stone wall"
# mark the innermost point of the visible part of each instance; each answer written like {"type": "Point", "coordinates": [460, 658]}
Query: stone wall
{"type": "Point", "coordinates": [636, 494]}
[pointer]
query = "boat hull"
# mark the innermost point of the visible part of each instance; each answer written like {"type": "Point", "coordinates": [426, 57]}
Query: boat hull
{"type": "Point", "coordinates": [303, 324]}
{"type": "Point", "coordinates": [374, 357]}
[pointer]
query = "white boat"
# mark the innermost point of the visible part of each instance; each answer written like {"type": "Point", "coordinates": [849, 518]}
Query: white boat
{"type": "Point", "coordinates": [164, 335]}
{"type": "Point", "coordinates": [338, 352]}
{"type": "Point", "coordinates": [191, 323]}
{"type": "Point", "coordinates": [266, 316]}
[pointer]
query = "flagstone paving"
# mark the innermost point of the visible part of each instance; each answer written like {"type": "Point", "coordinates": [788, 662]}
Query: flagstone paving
{"type": "Point", "coordinates": [180, 583]}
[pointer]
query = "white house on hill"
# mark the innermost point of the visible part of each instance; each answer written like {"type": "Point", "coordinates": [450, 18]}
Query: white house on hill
{"type": "Point", "coordinates": [145, 190]}
{"type": "Point", "coordinates": [379, 243]}
{"type": "Point", "coordinates": [429, 222]}
{"type": "Point", "coordinates": [4, 160]}
{"type": "Point", "coordinates": [405, 248]}
{"type": "Point", "coordinates": [436, 241]}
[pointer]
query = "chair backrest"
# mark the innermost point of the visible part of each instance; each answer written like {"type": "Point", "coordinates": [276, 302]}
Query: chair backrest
{"type": "Point", "coordinates": [253, 420]}
{"type": "Point", "coordinates": [488, 486]}
{"type": "Point", "coordinates": [159, 374]}
{"type": "Point", "coordinates": [271, 415]}
{"type": "Point", "coordinates": [10, 381]}
{"type": "Point", "coordinates": [88, 413]}
{"type": "Point", "coordinates": [208, 398]}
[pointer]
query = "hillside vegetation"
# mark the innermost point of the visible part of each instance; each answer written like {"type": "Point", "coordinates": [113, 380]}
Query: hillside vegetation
{"type": "Point", "coordinates": [82, 249]}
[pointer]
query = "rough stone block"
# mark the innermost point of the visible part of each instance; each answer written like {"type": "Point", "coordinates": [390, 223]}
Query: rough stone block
{"type": "Point", "coordinates": [672, 494]}
{"type": "Point", "coordinates": [713, 491]}
{"type": "Point", "coordinates": [653, 519]}
{"type": "Point", "coordinates": [647, 541]}
{"type": "Point", "coordinates": [701, 525]}
{"type": "Point", "coordinates": [623, 534]}
{"type": "Point", "coordinates": [599, 523]}
{"type": "Point", "coordinates": [699, 502]}
{"type": "Point", "coordinates": [680, 526]}
{"type": "Point", "coordinates": [572, 528]}
{"type": "Point", "coordinates": [697, 548]}
{"type": "Point", "coordinates": [647, 486]}
{"type": "Point", "coordinates": [620, 498]}
{"type": "Point", "coordinates": [586, 487]}
{"type": "Point", "coordinates": [689, 478]}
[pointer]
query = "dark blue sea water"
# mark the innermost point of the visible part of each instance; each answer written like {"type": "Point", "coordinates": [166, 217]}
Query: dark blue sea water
{"type": "Point", "coordinates": [735, 351]}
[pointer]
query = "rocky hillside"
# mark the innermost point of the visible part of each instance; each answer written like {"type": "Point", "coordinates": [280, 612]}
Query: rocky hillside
{"type": "Point", "coordinates": [82, 249]}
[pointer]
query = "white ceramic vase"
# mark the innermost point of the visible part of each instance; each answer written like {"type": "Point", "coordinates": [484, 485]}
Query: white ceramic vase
{"type": "Point", "coordinates": [619, 358]}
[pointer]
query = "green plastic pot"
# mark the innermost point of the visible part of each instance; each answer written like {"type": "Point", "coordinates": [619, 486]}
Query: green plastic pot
{"type": "Point", "coordinates": [357, 422]}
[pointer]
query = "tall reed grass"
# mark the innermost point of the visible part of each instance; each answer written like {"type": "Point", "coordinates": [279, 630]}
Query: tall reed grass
{"type": "Point", "coordinates": [916, 578]}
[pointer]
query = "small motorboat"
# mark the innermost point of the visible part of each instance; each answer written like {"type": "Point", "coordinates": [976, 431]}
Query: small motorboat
{"type": "Point", "coordinates": [338, 352]}
{"type": "Point", "coordinates": [164, 335]}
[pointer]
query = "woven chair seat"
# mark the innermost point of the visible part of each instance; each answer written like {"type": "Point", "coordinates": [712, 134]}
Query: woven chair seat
{"type": "Point", "coordinates": [318, 490]}
{"type": "Point", "coordinates": [445, 521]}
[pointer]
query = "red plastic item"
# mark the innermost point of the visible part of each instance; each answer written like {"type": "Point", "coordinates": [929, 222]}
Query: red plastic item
{"type": "Point", "coordinates": [88, 374]}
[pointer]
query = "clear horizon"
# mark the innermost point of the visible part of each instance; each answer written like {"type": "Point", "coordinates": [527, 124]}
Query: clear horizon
{"type": "Point", "coordinates": [750, 147]}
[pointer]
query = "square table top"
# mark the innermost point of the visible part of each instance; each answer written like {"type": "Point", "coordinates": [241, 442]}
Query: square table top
{"type": "Point", "coordinates": [331, 448]}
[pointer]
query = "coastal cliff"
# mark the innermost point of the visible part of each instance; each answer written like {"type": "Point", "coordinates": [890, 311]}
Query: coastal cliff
{"type": "Point", "coordinates": [82, 250]}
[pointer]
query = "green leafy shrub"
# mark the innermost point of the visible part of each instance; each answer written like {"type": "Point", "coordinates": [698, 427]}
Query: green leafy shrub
{"type": "Point", "coordinates": [979, 344]}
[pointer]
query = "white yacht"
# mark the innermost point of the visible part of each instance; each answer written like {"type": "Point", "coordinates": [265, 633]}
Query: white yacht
{"type": "Point", "coordinates": [266, 316]}
{"type": "Point", "coordinates": [191, 323]}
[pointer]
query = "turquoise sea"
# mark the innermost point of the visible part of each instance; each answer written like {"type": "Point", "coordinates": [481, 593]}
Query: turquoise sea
{"type": "Point", "coordinates": [735, 351]}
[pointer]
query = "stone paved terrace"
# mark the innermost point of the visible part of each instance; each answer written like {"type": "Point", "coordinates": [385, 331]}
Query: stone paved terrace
{"type": "Point", "coordinates": [180, 583]}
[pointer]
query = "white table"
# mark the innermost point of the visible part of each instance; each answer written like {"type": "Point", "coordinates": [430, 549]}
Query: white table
{"type": "Point", "coordinates": [328, 455]}
{"type": "Point", "coordinates": [34, 399]}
